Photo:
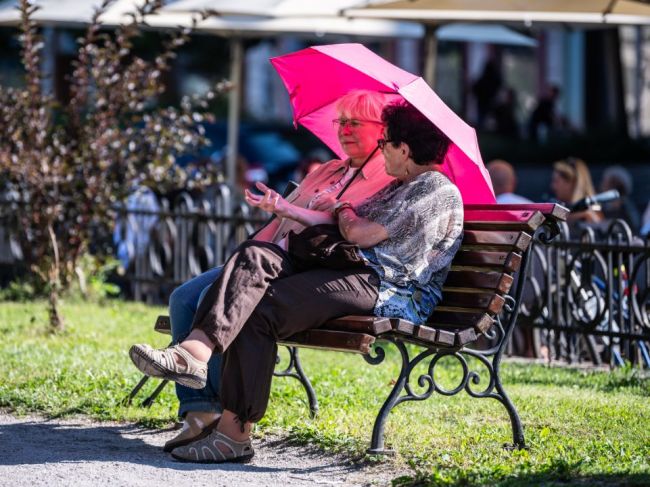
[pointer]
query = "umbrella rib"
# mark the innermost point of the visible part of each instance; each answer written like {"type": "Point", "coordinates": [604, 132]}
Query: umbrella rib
{"type": "Point", "coordinates": [610, 7]}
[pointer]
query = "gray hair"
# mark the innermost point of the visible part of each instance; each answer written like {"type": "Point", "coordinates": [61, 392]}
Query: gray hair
{"type": "Point", "coordinates": [619, 178]}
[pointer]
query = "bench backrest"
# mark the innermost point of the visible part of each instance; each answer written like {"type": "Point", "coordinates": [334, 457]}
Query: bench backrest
{"type": "Point", "coordinates": [481, 274]}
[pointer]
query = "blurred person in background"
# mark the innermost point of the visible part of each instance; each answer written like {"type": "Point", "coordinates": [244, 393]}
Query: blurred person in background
{"type": "Point", "coordinates": [132, 229]}
{"type": "Point", "coordinates": [485, 89]}
{"type": "Point", "coordinates": [505, 113]}
{"type": "Point", "coordinates": [504, 182]}
{"type": "Point", "coordinates": [544, 118]}
{"type": "Point", "coordinates": [645, 222]}
{"type": "Point", "coordinates": [571, 182]}
{"type": "Point", "coordinates": [310, 163]}
{"type": "Point", "coordinates": [620, 179]}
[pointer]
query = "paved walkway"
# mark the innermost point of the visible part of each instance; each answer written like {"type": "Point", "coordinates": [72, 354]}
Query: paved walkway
{"type": "Point", "coordinates": [39, 452]}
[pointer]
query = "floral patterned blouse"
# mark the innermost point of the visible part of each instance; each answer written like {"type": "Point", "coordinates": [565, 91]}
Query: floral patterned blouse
{"type": "Point", "coordinates": [424, 220]}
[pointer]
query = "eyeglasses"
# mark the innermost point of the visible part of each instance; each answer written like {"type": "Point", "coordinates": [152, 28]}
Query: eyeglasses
{"type": "Point", "coordinates": [381, 143]}
{"type": "Point", "coordinates": [353, 123]}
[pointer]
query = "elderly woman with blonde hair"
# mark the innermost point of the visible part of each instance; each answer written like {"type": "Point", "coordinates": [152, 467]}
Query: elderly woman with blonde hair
{"type": "Point", "coordinates": [358, 124]}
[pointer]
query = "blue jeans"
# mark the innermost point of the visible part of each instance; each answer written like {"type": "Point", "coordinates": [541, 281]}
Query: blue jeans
{"type": "Point", "coordinates": [183, 303]}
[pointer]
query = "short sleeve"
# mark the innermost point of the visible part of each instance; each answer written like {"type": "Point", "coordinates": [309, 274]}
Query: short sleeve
{"type": "Point", "coordinates": [402, 224]}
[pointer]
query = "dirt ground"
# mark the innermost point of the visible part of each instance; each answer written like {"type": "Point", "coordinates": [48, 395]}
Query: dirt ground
{"type": "Point", "coordinates": [39, 452]}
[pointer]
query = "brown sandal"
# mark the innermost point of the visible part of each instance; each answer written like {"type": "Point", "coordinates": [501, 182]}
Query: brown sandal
{"type": "Point", "coordinates": [207, 450]}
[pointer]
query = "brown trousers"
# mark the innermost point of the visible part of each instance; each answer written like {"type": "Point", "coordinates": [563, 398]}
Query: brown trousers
{"type": "Point", "coordinates": [260, 298]}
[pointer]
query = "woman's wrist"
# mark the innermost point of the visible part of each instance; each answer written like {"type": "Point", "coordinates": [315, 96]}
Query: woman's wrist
{"type": "Point", "coordinates": [341, 206]}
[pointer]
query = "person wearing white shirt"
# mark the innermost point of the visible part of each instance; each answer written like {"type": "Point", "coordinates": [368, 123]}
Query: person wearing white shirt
{"type": "Point", "coordinates": [504, 182]}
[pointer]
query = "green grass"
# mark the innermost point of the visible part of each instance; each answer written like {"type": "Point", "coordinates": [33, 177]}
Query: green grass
{"type": "Point", "coordinates": [583, 428]}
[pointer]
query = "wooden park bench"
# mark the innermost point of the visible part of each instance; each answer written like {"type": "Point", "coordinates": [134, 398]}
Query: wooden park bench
{"type": "Point", "coordinates": [478, 302]}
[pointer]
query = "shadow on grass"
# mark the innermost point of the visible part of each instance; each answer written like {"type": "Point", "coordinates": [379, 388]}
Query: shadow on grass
{"type": "Point", "coordinates": [625, 379]}
{"type": "Point", "coordinates": [556, 474]}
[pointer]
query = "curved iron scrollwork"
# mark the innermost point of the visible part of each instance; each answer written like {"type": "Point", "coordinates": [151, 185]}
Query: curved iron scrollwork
{"type": "Point", "coordinates": [405, 388]}
{"type": "Point", "coordinates": [295, 371]}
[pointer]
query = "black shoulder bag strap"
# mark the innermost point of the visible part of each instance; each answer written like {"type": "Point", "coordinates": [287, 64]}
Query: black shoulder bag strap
{"type": "Point", "coordinates": [347, 185]}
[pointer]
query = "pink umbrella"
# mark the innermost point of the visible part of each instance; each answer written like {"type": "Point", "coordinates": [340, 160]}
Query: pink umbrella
{"type": "Point", "coordinates": [318, 76]}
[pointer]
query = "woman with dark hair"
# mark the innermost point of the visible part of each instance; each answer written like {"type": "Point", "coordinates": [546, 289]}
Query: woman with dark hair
{"type": "Point", "coordinates": [407, 233]}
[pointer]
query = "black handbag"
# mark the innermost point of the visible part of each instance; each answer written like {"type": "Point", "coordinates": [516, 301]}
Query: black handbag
{"type": "Point", "coordinates": [323, 246]}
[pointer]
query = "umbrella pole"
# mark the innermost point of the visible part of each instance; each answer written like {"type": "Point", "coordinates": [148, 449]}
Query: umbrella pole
{"type": "Point", "coordinates": [430, 55]}
{"type": "Point", "coordinates": [234, 109]}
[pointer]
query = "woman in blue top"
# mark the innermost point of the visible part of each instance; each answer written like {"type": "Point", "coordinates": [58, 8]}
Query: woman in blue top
{"type": "Point", "coordinates": [408, 233]}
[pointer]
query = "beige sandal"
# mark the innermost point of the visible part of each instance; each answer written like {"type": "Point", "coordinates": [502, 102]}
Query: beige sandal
{"type": "Point", "coordinates": [183, 439]}
{"type": "Point", "coordinates": [207, 450]}
{"type": "Point", "coordinates": [162, 363]}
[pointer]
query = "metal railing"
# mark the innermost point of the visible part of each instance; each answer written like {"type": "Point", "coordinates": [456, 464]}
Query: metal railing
{"type": "Point", "coordinates": [180, 240]}
{"type": "Point", "coordinates": [586, 299]}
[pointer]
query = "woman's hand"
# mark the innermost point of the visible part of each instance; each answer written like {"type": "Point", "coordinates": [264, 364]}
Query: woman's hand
{"type": "Point", "coordinates": [270, 201]}
{"type": "Point", "coordinates": [326, 203]}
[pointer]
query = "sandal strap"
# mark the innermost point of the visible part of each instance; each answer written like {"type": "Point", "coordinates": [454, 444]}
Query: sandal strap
{"type": "Point", "coordinates": [208, 449]}
{"type": "Point", "coordinates": [236, 447]}
{"type": "Point", "coordinates": [190, 360]}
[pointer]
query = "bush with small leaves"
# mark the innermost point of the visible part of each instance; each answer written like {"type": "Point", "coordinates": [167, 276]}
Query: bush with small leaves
{"type": "Point", "coordinates": [65, 168]}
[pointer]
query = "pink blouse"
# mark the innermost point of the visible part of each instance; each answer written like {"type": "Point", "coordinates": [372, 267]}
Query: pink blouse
{"type": "Point", "coordinates": [373, 177]}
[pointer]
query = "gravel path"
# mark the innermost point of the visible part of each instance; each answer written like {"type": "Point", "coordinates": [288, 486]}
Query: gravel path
{"type": "Point", "coordinates": [38, 452]}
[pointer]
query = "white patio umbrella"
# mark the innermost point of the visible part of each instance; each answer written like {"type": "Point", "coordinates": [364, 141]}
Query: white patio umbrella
{"type": "Point", "coordinates": [52, 12]}
{"type": "Point", "coordinates": [527, 11]}
{"type": "Point", "coordinates": [489, 33]}
{"type": "Point", "coordinates": [68, 13]}
{"type": "Point", "coordinates": [435, 13]}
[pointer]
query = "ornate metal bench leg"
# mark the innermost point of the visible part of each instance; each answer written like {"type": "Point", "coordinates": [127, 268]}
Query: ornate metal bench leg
{"type": "Point", "coordinates": [377, 440]}
{"type": "Point", "coordinates": [311, 394]}
{"type": "Point", "coordinates": [517, 430]}
{"type": "Point", "coordinates": [294, 365]}
{"type": "Point", "coordinates": [149, 401]}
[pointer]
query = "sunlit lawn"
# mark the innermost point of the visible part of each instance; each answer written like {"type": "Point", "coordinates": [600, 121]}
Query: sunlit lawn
{"type": "Point", "coordinates": [582, 428]}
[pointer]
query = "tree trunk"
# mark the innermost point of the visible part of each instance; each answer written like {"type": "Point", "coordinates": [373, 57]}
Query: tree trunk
{"type": "Point", "coordinates": [56, 322]}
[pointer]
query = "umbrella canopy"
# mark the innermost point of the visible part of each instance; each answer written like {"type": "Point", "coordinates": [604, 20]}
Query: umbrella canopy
{"type": "Point", "coordinates": [60, 12]}
{"type": "Point", "coordinates": [318, 76]}
{"type": "Point", "coordinates": [490, 33]}
{"type": "Point", "coordinates": [556, 11]}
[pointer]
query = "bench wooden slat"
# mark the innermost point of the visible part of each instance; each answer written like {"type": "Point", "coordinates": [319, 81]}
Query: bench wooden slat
{"type": "Point", "coordinates": [464, 336]}
{"type": "Point", "coordinates": [513, 239]}
{"type": "Point", "coordinates": [403, 327]}
{"type": "Point", "coordinates": [551, 211]}
{"type": "Point", "coordinates": [450, 319]}
{"type": "Point", "coordinates": [429, 334]}
{"type": "Point", "coordinates": [443, 336]}
{"type": "Point", "coordinates": [332, 340]}
{"type": "Point", "coordinates": [451, 337]}
{"type": "Point", "coordinates": [372, 325]}
{"type": "Point", "coordinates": [527, 221]}
{"type": "Point", "coordinates": [489, 302]}
{"type": "Point", "coordinates": [510, 261]}
{"type": "Point", "coordinates": [500, 282]}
